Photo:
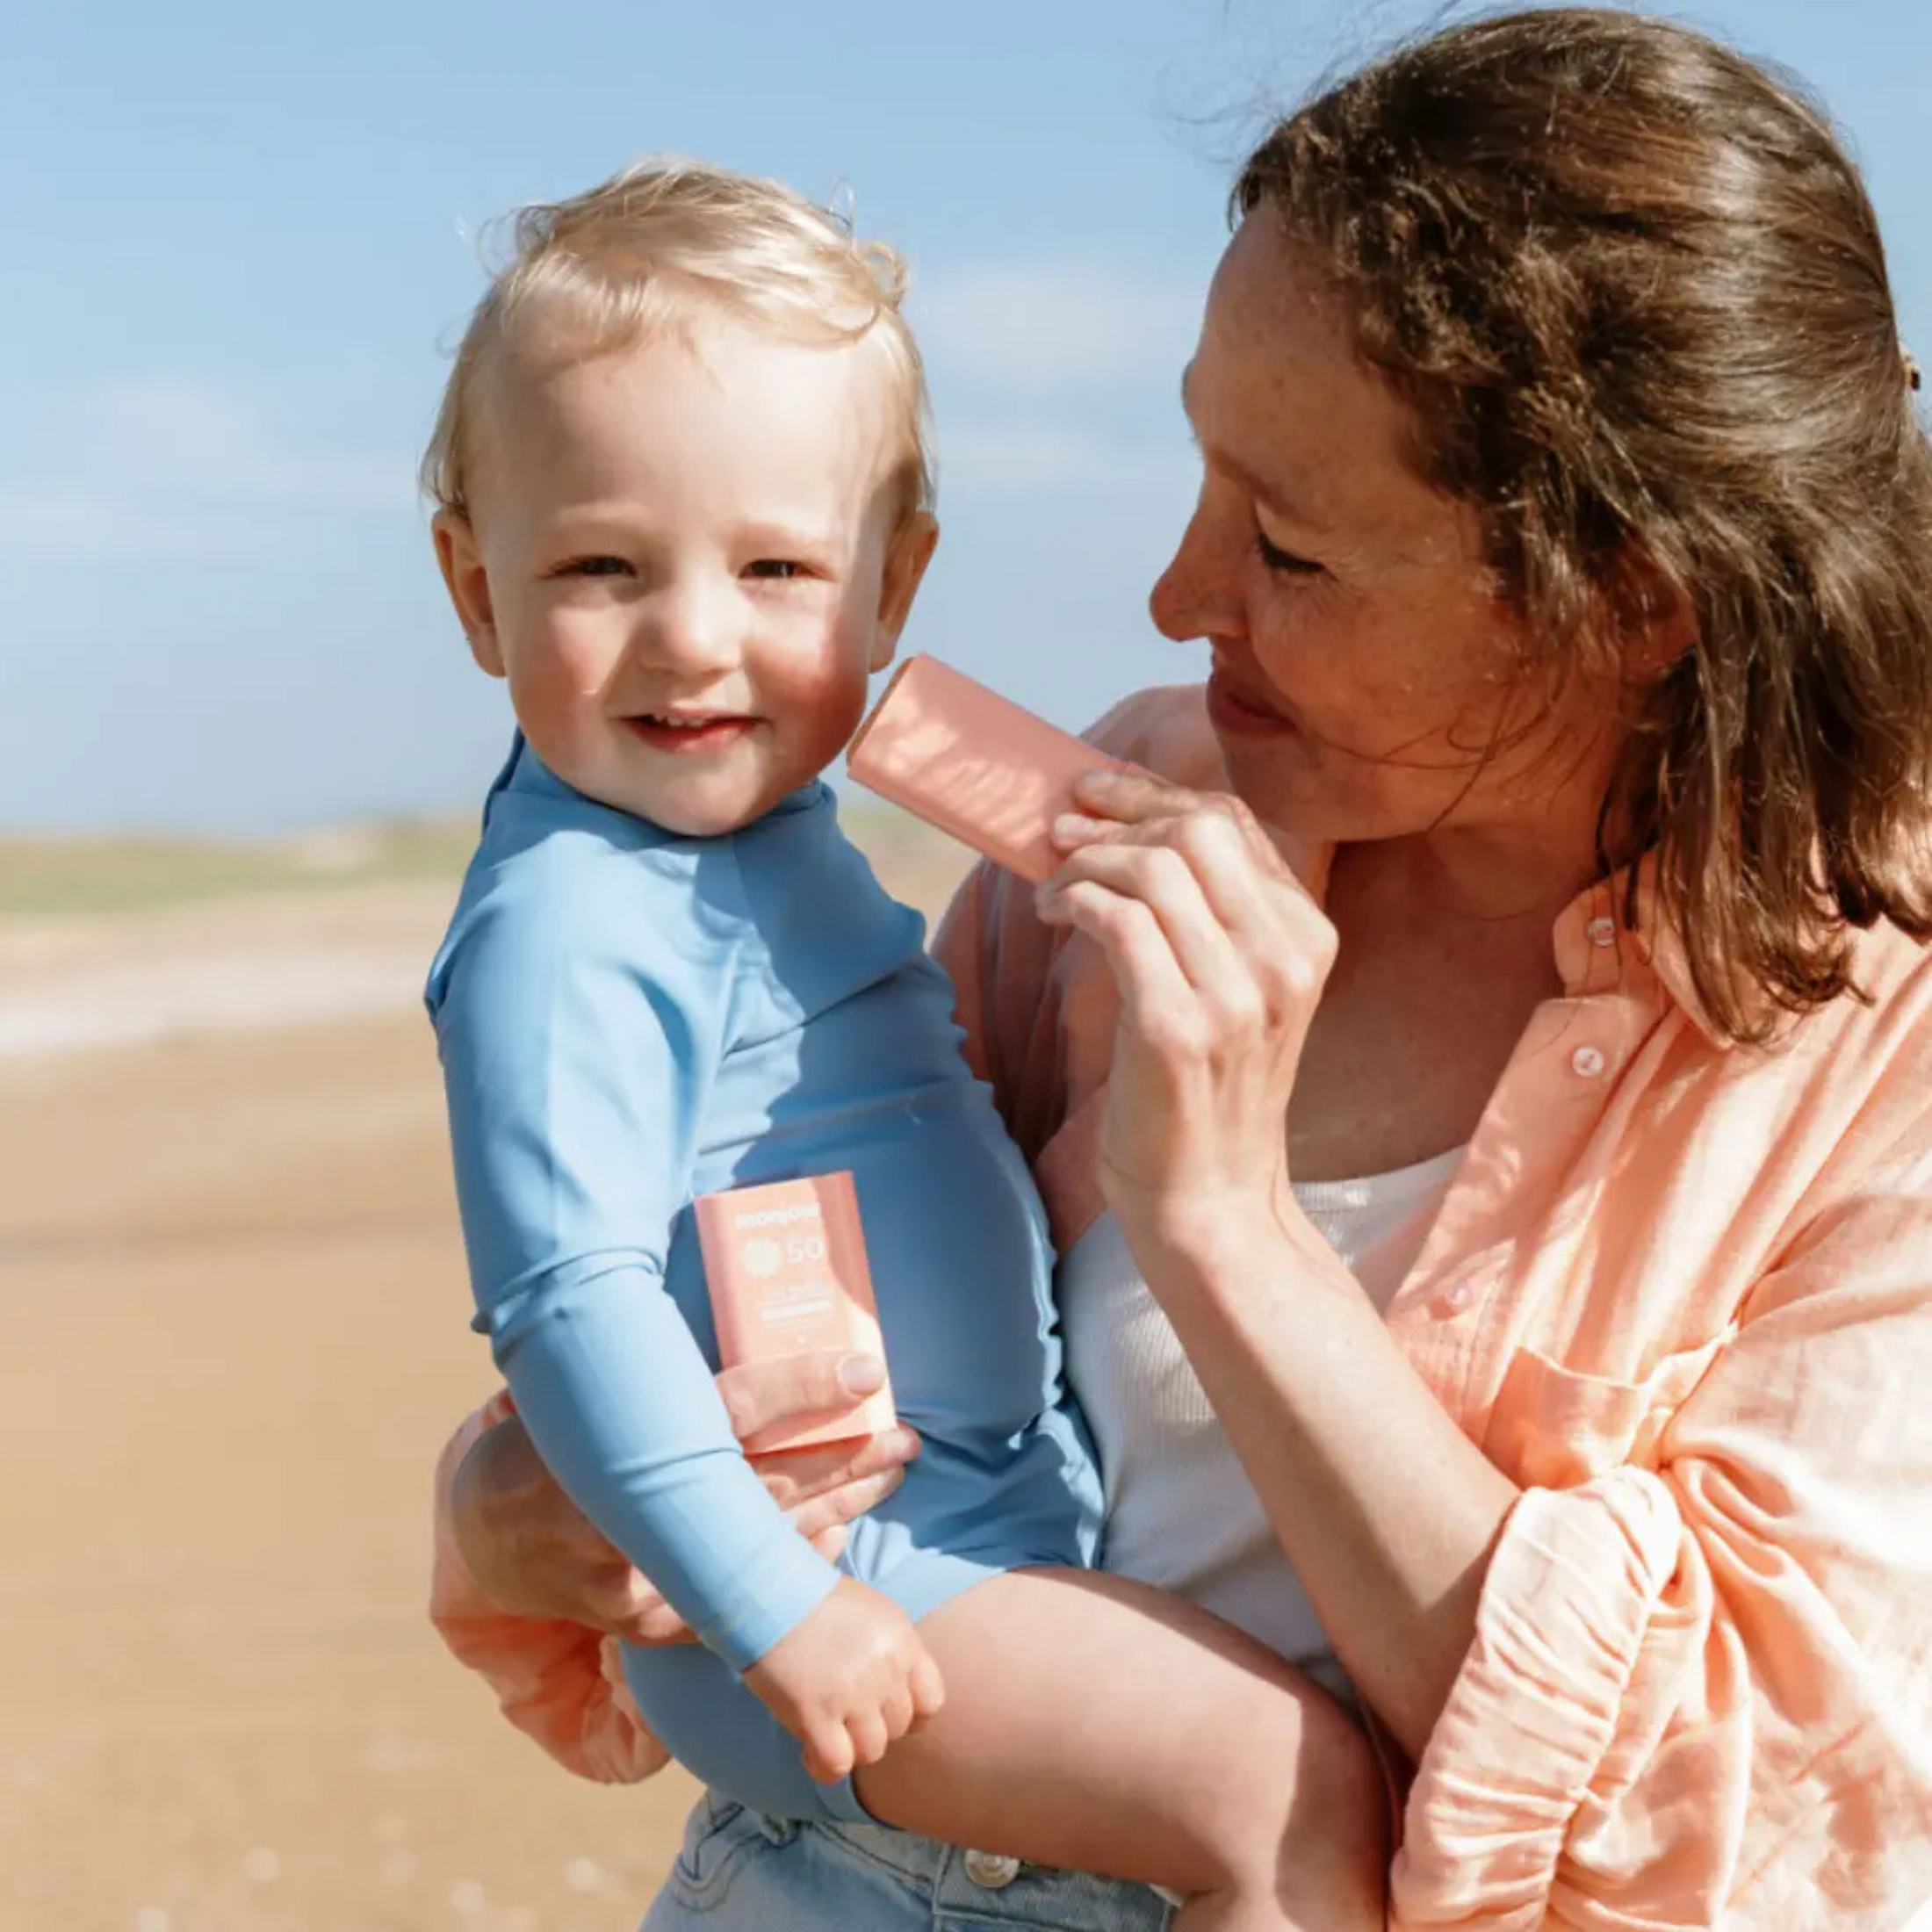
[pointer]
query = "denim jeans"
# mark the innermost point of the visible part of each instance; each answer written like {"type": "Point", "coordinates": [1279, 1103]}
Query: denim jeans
{"type": "Point", "coordinates": [740, 1871]}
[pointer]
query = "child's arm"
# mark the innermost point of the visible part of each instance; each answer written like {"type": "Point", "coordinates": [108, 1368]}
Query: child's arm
{"type": "Point", "coordinates": [526, 1593]}
{"type": "Point", "coordinates": [574, 1078]}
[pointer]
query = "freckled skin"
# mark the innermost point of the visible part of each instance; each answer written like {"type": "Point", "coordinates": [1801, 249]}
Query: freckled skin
{"type": "Point", "coordinates": [1346, 601]}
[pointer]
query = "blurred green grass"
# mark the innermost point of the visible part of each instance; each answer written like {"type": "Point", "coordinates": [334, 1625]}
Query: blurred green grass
{"type": "Point", "coordinates": [55, 877]}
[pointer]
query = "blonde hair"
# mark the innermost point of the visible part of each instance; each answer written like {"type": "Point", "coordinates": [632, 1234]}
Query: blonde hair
{"type": "Point", "coordinates": [649, 247]}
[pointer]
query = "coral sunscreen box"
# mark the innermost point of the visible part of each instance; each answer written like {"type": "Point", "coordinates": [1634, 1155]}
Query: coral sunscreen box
{"type": "Point", "coordinates": [786, 1268]}
{"type": "Point", "coordinates": [973, 763]}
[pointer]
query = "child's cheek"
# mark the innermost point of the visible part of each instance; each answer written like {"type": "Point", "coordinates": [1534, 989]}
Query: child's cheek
{"type": "Point", "coordinates": [574, 659]}
{"type": "Point", "coordinates": [584, 665]}
{"type": "Point", "coordinates": [559, 690]}
{"type": "Point", "coordinates": [827, 682]}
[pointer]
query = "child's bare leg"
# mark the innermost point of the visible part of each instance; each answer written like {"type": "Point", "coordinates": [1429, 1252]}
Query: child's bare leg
{"type": "Point", "coordinates": [1099, 1726]}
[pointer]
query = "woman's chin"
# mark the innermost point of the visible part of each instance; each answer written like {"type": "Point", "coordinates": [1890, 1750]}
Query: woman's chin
{"type": "Point", "coordinates": [1279, 787]}
{"type": "Point", "coordinates": [1292, 788]}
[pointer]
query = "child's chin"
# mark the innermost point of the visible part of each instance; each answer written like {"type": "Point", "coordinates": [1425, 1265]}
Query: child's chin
{"type": "Point", "coordinates": [702, 816]}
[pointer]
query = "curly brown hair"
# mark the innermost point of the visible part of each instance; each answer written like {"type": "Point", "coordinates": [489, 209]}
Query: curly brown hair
{"type": "Point", "coordinates": [1633, 292]}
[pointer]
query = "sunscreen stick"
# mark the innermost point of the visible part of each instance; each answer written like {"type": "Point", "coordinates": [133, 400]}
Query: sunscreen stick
{"type": "Point", "coordinates": [973, 763]}
{"type": "Point", "coordinates": [786, 1268]}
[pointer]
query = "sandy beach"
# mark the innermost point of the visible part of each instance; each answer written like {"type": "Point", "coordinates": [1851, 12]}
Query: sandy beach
{"type": "Point", "coordinates": [230, 1266]}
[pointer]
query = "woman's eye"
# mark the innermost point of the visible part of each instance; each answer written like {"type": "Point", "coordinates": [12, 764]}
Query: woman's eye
{"type": "Point", "coordinates": [777, 569]}
{"type": "Point", "coordinates": [1285, 561]}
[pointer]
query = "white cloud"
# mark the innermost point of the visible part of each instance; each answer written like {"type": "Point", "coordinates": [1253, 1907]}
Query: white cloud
{"type": "Point", "coordinates": [168, 469]}
{"type": "Point", "coordinates": [1065, 329]}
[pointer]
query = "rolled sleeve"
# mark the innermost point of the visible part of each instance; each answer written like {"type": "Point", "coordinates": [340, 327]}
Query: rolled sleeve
{"type": "Point", "coordinates": [1699, 1692]}
{"type": "Point", "coordinates": [558, 1682]}
{"type": "Point", "coordinates": [1573, 1583]}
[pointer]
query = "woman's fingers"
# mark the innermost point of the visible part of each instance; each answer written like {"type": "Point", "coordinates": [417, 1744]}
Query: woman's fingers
{"type": "Point", "coordinates": [830, 1543]}
{"type": "Point", "coordinates": [1160, 879]}
{"type": "Point", "coordinates": [655, 1622]}
{"type": "Point", "coordinates": [1227, 846]}
{"type": "Point", "coordinates": [1219, 954]}
{"type": "Point", "coordinates": [1243, 930]}
{"type": "Point", "coordinates": [834, 1484]}
{"type": "Point", "coordinates": [649, 1619]}
{"type": "Point", "coordinates": [1126, 794]}
{"type": "Point", "coordinates": [533, 1552]}
{"type": "Point", "coordinates": [820, 1515]}
{"type": "Point", "coordinates": [819, 1385]}
{"type": "Point", "coordinates": [834, 1509]}
{"type": "Point", "coordinates": [1156, 994]}
{"type": "Point", "coordinates": [1111, 802]}
{"type": "Point", "coordinates": [792, 1475]}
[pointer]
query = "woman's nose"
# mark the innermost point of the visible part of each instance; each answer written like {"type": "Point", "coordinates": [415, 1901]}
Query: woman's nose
{"type": "Point", "coordinates": [1188, 599]}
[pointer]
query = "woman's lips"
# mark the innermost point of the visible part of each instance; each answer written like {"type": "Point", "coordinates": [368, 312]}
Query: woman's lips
{"type": "Point", "coordinates": [686, 738]}
{"type": "Point", "coordinates": [1229, 710]}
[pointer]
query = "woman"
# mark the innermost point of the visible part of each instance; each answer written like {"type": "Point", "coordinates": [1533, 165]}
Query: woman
{"type": "Point", "coordinates": [1565, 551]}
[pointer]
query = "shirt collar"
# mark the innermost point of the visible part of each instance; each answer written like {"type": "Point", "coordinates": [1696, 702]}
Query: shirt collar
{"type": "Point", "coordinates": [1608, 939]}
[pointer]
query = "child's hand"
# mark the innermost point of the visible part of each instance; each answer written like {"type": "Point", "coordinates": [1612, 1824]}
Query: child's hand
{"type": "Point", "coordinates": [849, 1680]}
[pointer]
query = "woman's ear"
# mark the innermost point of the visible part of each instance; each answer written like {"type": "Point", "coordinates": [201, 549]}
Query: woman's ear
{"type": "Point", "coordinates": [461, 563]}
{"type": "Point", "coordinates": [906, 556]}
{"type": "Point", "coordinates": [1656, 618]}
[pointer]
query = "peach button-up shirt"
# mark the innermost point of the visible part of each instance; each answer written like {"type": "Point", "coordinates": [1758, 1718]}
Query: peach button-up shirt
{"type": "Point", "coordinates": [1681, 1294]}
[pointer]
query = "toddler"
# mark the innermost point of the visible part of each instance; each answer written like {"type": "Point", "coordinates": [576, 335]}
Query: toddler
{"type": "Point", "coordinates": [684, 505]}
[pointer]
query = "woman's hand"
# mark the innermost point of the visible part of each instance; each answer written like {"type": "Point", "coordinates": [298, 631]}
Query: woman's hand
{"type": "Point", "coordinates": [535, 1554]}
{"type": "Point", "coordinates": [1219, 955]}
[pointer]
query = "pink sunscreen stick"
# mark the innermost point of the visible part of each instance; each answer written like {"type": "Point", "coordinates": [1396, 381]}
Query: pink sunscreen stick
{"type": "Point", "coordinates": [973, 763]}
{"type": "Point", "coordinates": [786, 1268]}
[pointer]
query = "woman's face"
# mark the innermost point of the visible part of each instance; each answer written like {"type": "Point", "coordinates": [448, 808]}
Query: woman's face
{"type": "Point", "coordinates": [1362, 666]}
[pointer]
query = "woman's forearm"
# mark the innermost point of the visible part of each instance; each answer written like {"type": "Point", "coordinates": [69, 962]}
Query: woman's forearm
{"type": "Point", "coordinates": [1384, 1507]}
{"type": "Point", "coordinates": [1220, 957]}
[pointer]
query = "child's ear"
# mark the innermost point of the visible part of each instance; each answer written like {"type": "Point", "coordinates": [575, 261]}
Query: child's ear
{"type": "Point", "coordinates": [906, 556]}
{"type": "Point", "coordinates": [461, 563]}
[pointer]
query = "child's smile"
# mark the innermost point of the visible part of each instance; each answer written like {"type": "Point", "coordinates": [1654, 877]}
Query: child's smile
{"type": "Point", "coordinates": [685, 734]}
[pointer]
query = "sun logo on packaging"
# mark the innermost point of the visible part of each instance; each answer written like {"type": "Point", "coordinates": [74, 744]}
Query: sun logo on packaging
{"type": "Point", "coordinates": [763, 1258]}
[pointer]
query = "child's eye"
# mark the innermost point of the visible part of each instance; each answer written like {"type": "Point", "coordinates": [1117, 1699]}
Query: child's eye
{"type": "Point", "coordinates": [1285, 561]}
{"type": "Point", "coordinates": [593, 566]}
{"type": "Point", "coordinates": [776, 569]}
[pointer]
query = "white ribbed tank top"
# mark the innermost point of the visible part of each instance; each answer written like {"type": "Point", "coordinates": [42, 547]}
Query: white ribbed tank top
{"type": "Point", "coordinates": [1181, 1513]}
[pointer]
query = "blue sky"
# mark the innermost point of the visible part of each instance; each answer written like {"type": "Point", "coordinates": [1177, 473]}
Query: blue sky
{"type": "Point", "coordinates": [241, 238]}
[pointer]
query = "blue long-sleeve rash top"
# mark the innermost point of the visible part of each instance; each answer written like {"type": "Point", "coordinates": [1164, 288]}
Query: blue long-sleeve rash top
{"type": "Point", "coordinates": [629, 1019]}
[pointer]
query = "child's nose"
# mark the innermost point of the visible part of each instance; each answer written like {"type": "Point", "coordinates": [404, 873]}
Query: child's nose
{"type": "Point", "coordinates": [693, 629]}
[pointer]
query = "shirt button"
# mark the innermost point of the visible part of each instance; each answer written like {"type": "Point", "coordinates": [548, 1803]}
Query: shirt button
{"type": "Point", "coordinates": [1454, 1301]}
{"type": "Point", "coordinates": [1603, 932]}
{"type": "Point", "coordinates": [990, 1869]}
{"type": "Point", "coordinates": [1587, 1061]}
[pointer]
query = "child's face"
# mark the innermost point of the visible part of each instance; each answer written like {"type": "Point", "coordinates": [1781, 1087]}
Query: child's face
{"type": "Point", "coordinates": [687, 557]}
